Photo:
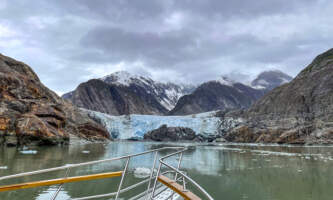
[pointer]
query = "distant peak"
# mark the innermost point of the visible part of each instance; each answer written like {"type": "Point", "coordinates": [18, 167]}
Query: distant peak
{"type": "Point", "coordinates": [270, 79]}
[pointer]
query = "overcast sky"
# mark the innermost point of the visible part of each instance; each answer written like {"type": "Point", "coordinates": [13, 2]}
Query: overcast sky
{"type": "Point", "coordinates": [70, 41]}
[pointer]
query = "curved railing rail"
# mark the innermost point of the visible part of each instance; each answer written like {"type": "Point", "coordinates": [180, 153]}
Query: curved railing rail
{"type": "Point", "coordinates": [150, 193]}
{"type": "Point", "coordinates": [162, 162]}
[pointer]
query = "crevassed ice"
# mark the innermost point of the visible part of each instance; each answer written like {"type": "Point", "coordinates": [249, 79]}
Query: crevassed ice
{"type": "Point", "coordinates": [135, 126]}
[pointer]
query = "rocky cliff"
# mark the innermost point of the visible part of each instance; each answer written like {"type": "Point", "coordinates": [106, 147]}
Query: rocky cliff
{"type": "Point", "coordinates": [30, 113]}
{"type": "Point", "coordinates": [298, 112]}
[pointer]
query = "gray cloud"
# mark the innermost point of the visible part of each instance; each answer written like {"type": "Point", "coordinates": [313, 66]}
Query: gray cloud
{"type": "Point", "coordinates": [70, 41]}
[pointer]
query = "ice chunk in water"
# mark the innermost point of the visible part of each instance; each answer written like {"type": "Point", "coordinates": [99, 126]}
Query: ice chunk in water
{"type": "Point", "coordinates": [28, 152]}
{"type": "Point", "coordinates": [142, 172]}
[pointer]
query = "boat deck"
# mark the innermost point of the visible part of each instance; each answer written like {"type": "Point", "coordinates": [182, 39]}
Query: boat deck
{"type": "Point", "coordinates": [187, 195]}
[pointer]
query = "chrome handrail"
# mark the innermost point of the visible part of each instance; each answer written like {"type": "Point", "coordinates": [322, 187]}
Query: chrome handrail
{"type": "Point", "coordinates": [83, 164]}
{"type": "Point", "coordinates": [127, 157]}
{"type": "Point", "coordinates": [178, 172]}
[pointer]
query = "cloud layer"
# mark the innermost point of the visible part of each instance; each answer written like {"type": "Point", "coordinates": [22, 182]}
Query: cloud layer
{"type": "Point", "coordinates": [70, 41]}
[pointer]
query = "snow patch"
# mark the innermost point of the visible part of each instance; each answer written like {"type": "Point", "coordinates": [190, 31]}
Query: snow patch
{"type": "Point", "coordinates": [284, 80]}
{"type": "Point", "coordinates": [121, 78]}
{"type": "Point", "coordinates": [263, 82]}
{"type": "Point", "coordinates": [225, 81]}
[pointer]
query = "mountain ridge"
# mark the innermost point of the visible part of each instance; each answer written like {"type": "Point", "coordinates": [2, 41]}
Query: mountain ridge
{"type": "Point", "coordinates": [299, 112]}
{"type": "Point", "coordinates": [225, 94]}
{"type": "Point", "coordinates": [167, 94]}
{"type": "Point", "coordinates": [155, 97]}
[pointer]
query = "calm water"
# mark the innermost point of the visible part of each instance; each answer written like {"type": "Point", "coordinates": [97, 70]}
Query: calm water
{"type": "Point", "coordinates": [225, 171]}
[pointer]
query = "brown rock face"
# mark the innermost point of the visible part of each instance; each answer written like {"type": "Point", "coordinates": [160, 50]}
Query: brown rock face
{"type": "Point", "coordinates": [216, 96]}
{"type": "Point", "coordinates": [30, 113]}
{"type": "Point", "coordinates": [115, 99]}
{"type": "Point", "coordinates": [298, 112]}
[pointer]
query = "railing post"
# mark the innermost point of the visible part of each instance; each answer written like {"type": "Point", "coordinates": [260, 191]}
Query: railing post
{"type": "Point", "coordinates": [155, 183]}
{"type": "Point", "coordinates": [179, 163]}
{"type": "Point", "coordinates": [122, 177]}
{"type": "Point", "coordinates": [178, 166]}
{"type": "Point", "coordinates": [151, 175]}
{"type": "Point", "coordinates": [60, 186]}
{"type": "Point", "coordinates": [184, 185]}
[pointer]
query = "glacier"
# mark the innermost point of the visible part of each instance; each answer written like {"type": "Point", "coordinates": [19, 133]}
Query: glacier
{"type": "Point", "coordinates": [135, 126]}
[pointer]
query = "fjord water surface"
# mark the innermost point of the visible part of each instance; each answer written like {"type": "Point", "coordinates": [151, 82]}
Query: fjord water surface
{"type": "Point", "coordinates": [228, 171]}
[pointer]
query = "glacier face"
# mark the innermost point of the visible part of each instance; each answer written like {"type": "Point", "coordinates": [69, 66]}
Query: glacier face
{"type": "Point", "coordinates": [135, 126]}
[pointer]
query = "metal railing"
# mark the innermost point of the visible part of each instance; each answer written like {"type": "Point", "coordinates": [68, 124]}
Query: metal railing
{"type": "Point", "coordinates": [149, 194]}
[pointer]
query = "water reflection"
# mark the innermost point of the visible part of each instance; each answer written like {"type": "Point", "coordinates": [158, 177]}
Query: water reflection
{"type": "Point", "coordinates": [230, 171]}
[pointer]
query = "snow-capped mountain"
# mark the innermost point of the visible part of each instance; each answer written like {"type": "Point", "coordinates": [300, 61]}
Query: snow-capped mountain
{"type": "Point", "coordinates": [125, 93]}
{"type": "Point", "coordinates": [269, 80]}
{"type": "Point", "coordinates": [167, 94]}
{"type": "Point", "coordinates": [124, 78]}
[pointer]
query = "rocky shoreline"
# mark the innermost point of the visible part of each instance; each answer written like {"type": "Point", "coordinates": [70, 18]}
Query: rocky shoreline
{"type": "Point", "coordinates": [31, 114]}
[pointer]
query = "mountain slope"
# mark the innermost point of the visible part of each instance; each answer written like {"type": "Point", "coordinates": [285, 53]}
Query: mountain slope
{"type": "Point", "coordinates": [298, 112]}
{"type": "Point", "coordinates": [222, 94]}
{"type": "Point", "coordinates": [124, 93]}
{"type": "Point", "coordinates": [30, 113]}
{"type": "Point", "coordinates": [115, 99]}
{"type": "Point", "coordinates": [309, 94]}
